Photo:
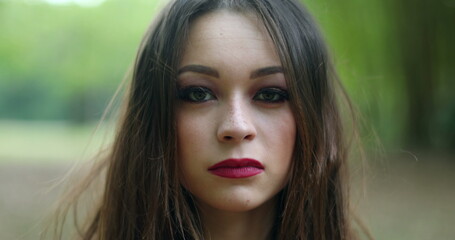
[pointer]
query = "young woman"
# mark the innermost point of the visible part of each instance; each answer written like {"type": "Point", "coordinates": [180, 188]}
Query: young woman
{"type": "Point", "coordinates": [231, 130]}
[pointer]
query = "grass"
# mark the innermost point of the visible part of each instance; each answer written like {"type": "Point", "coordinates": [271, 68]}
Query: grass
{"type": "Point", "coordinates": [48, 142]}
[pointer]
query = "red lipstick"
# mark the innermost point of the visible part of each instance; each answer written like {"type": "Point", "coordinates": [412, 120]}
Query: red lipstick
{"type": "Point", "coordinates": [237, 168]}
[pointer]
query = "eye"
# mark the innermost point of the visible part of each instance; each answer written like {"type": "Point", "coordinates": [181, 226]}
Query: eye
{"type": "Point", "coordinates": [195, 94]}
{"type": "Point", "coordinates": [271, 95]}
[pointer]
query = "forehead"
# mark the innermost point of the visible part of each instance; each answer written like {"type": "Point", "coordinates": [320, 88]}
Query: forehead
{"type": "Point", "coordinates": [229, 24]}
{"type": "Point", "coordinates": [229, 35]}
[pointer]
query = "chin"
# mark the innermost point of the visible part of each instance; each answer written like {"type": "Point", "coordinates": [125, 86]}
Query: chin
{"type": "Point", "coordinates": [236, 202]}
{"type": "Point", "coordinates": [237, 205]}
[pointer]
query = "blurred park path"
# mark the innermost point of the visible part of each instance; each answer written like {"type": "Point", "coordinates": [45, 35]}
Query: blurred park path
{"type": "Point", "coordinates": [26, 197]}
{"type": "Point", "coordinates": [409, 196]}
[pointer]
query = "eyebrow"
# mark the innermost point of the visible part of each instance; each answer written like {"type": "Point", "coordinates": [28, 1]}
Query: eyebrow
{"type": "Point", "coordinates": [199, 69]}
{"type": "Point", "coordinates": [261, 72]}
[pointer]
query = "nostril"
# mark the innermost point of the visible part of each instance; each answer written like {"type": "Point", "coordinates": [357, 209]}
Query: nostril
{"type": "Point", "coordinates": [249, 137]}
{"type": "Point", "coordinates": [230, 138]}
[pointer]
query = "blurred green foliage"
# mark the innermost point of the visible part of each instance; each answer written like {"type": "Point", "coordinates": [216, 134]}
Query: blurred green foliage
{"type": "Point", "coordinates": [396, 59]}
{"type": "Point", "coordinates": [65, 61]}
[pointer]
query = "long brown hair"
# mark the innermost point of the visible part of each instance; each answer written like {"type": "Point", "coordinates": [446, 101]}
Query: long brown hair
{"type": "Point", "coordinates": [142, 196]}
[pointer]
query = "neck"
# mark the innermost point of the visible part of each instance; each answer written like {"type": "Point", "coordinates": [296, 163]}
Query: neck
{"type": "Point", "coordinates": [255, 224]}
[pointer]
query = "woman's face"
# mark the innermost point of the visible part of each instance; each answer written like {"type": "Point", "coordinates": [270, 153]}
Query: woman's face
{"type": "Point", "coordinates": [236, 131]}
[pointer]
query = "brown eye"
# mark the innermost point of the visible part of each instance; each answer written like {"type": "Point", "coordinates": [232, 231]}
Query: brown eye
{"type": "Point", "coordinates": [271, 95]}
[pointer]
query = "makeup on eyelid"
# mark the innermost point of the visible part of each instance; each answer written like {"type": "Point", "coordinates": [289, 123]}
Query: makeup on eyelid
{"type": "Point", "coordinates": [199, 94]}
{"type": "Point", "coordinates": [268, 82]}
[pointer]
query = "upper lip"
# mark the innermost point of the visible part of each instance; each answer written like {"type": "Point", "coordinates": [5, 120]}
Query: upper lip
{"type": "Point", "coordinates": [237, 163]}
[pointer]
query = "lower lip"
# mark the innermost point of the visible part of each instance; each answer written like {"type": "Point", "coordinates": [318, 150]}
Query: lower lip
{"type": "Point", "coordinates": [237, 172]}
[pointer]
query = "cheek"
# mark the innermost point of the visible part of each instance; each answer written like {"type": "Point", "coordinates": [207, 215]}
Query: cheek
{"type": "Point", "coordinates": [191, 130]}
{"type": "Point", "coordinates": [286, 129]}
{"type": "Point", "coordinates": [280, 132]}
{"type": "Point", "coordinates": [193, 141]}
{"type": "Point", "coordinates": [283, 135]}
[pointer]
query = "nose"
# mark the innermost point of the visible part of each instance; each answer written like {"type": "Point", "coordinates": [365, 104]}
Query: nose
{"type": "Point", "coordinates": [236, 123]}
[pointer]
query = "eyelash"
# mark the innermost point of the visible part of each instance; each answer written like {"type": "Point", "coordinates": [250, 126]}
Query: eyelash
{"type": "Point", "coordinates": [279, 95]}
{"type": "Point", "coordinates": [276, 95]}
{"type": "Point", "coordinates": [187, 94]}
